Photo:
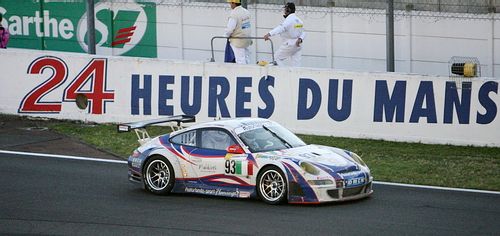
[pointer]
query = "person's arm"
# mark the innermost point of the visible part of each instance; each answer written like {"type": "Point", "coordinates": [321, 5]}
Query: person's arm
{"type": "Point", "coordinates": [231, 25]}
{"type": "Point", "coordinates": [300, 39]}
{"type": "Point", "coordinates": [278, 29]}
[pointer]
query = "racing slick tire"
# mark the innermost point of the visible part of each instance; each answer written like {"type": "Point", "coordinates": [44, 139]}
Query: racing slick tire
{"type": "Point", "coordinates": [272, 186]}
{"type": "Point", "coordinates": [158, 175]}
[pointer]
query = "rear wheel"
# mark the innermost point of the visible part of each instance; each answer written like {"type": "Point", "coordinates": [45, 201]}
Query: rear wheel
{"type": "Point", "coordinates": [272, 186]}
{"type": "Point", "coordinates": [158, 176]}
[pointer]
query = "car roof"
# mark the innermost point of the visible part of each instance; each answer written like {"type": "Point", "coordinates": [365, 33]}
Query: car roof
{"type": "Point", "coordinates": [229, 124]}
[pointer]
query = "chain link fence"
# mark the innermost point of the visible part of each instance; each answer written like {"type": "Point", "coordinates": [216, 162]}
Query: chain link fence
{"type": "Point", "coordinates": [451, 6]}
{"type": "Point", "coordinates": [432, 9]}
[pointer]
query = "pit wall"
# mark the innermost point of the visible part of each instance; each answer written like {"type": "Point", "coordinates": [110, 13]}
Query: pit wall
{"type": "Point", "coordinates": [387, 106]}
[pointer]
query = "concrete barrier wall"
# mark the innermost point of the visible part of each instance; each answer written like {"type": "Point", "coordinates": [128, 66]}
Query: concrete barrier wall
{"type": "Point", "coordinates": [387, 106]}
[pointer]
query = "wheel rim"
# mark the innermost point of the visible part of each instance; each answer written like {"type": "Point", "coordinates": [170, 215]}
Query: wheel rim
{"type": "Point", "coordinates": [157, 175]}
{"type": "Point", "coordinates": [272, 185]}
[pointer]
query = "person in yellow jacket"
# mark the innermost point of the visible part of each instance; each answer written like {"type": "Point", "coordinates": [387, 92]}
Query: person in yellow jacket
{"type": "Point", "coordinates": [292, 32]}
{"type": "Point", "coordinates": [238, 25]}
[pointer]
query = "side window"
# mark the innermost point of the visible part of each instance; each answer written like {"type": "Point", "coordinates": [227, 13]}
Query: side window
{"type": "Point", "coordinates": [188, 138]}
{"type": "Point", "coordinates": [215, 139]}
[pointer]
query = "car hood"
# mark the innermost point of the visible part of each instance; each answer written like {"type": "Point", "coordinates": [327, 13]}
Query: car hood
{"type": "Point", "coordinates": [334, 159]}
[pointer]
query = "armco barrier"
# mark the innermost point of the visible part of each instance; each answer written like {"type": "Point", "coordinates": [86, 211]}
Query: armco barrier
{"type": "Point", "coordinates": [313, 101]}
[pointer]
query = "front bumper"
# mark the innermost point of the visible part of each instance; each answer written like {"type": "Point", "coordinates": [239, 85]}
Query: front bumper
{"type": "Point", "coordinates": [346, 194]}
{"type": "Point", "coordinates": [330, 193]}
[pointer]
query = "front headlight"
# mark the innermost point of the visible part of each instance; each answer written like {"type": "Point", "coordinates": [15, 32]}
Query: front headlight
{"type": "Point", "coordinates": [309, 168]}
{"type": "Point", "coordinates": [357, 159]}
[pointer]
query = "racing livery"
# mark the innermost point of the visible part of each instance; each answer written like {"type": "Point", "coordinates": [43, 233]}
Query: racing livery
{"type": "Point", "coordinates": [243, 158]}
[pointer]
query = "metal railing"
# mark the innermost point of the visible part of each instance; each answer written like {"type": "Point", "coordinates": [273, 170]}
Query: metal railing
{"type": "Point", "coordinates": [223, 37]}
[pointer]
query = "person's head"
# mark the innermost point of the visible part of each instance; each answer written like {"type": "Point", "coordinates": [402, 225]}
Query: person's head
{"type": "Point", "coordinates": [234, 3]}
{"type": "Point", "coordinates": [288, 9]}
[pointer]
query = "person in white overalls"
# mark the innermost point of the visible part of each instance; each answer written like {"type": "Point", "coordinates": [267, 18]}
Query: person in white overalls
{"type": "Point", "coordinates": [292, 32]}
{"type": "Point", "coordinates": [238, 25]}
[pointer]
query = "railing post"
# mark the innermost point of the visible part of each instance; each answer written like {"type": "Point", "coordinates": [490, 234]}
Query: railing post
{"type": "Point", "coordinates": [390, 36]}
{"type": "Point", "coordinates": [90, 27]}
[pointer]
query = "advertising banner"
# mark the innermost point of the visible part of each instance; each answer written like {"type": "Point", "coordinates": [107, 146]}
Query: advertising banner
{"type": "Point", "coordinates": [125, 29]}
{"type": "Point", "coordinates": [386, 106]}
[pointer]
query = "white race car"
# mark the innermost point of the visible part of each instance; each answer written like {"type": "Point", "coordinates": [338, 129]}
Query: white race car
{"type": "Point", "coordinates": [243, 158]}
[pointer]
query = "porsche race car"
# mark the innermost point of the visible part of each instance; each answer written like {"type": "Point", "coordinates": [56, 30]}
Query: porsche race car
{"type": "Point", "coordinates": [243, 158]}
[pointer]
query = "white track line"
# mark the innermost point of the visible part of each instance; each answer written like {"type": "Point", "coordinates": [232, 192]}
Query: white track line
{"type": "Point", "coordinates": [62, 156]}
{"type": "Point", "coordinates": [436, 187]}
{"type": "Point", "coordinates": [125, 162]}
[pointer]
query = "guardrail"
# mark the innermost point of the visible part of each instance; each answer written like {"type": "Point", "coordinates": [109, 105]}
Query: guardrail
{"type": "Point", "coordinates": [223, 37]}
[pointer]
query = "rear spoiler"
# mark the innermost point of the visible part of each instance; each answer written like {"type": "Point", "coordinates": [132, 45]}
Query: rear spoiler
{"type": "Point", "coordinates": [140, 126]}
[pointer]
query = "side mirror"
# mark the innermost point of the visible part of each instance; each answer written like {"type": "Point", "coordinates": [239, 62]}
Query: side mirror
{"type": "Point", "coordinates": [235, 149]}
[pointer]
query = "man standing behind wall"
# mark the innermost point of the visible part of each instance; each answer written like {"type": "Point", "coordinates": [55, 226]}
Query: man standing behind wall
{"type": "Point", "coordinates": [238, 25]}
{"type": "Point", "coordinates": [292, 32]}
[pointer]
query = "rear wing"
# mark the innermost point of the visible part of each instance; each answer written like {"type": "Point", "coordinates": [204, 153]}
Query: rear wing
{"type": "Point", "coordinates": [140, 126]}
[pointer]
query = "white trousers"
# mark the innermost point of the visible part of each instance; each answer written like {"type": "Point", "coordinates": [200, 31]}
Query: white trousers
{"type": "Point", "coordinates": [241, 55]}
{"type": "Point", "coordinates": [289, 54]}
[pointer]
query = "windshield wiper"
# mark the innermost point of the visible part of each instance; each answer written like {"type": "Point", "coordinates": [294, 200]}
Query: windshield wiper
{"type": "Point", "coordinates": [288, 145]}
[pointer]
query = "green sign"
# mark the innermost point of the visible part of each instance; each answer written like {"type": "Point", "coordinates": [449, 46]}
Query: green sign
{"type": "Point", "coordinates": [127, 29]}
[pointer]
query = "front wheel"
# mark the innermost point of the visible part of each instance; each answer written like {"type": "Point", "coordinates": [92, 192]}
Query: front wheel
{"type": "Point", "coordinates": [272, 186]}
{"type": "Point", "coordinates": [158, 176]}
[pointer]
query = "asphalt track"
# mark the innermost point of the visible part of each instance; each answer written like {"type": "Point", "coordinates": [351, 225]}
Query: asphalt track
{"type": "Point", "coordinates": [53, 196]}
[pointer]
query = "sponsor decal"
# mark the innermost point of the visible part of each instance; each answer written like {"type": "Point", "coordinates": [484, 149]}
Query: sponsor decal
{"type": "Point", "coordinates": [351, 174]}
{"type": "Point", "coordinates": [270, 157]}
{"type": "Point", "coordinates": [232, 155]}
{"type": "Point", "coordinates": [238, 167]}
{"type": "Point", "coordinates": [214, 192]}
{"type": "Point", "coordinates": [127, 29]}
{"type": "Point", "coordinates": [354, 178]}
{"type": "Point", "coordinates": [136, 162]}
{"type": "Point", "coordinates": [121, 27]}
{"type": "Point", "coordinates": [246, 126]}
{"type": "Point", "coordinates": [354, 182]}
{"type": "Point", "coordinates": [207, 167]}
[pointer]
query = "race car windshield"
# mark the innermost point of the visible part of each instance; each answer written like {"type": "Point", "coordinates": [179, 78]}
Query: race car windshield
{"type": "Point", "coordinates": [270, 138]}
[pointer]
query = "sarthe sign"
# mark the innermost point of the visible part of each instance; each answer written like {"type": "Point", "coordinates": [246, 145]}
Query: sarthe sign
{"type": "Point", "coordinates": [125, 29]}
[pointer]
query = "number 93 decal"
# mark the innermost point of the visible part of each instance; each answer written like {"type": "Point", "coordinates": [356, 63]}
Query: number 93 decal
{"type": "Point", "coordinates": [94, 72]}
{"type": "Point", "coordinates": [238, 167]}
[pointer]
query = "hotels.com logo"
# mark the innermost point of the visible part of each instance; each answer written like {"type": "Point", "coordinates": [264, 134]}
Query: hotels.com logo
{"type": "Point", "coordinates": [119, 27]}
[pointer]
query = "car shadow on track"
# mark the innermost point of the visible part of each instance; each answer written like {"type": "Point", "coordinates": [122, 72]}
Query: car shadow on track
{"type": "Point", "coordinates": [192, 197]}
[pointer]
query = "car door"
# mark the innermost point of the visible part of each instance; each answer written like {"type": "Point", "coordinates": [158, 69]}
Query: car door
{"type": "Point", "coordinates": [215, 166]}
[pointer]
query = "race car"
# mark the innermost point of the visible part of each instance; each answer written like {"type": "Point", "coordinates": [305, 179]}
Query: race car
{"type": "Point", "coordinates": [244, 158]}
